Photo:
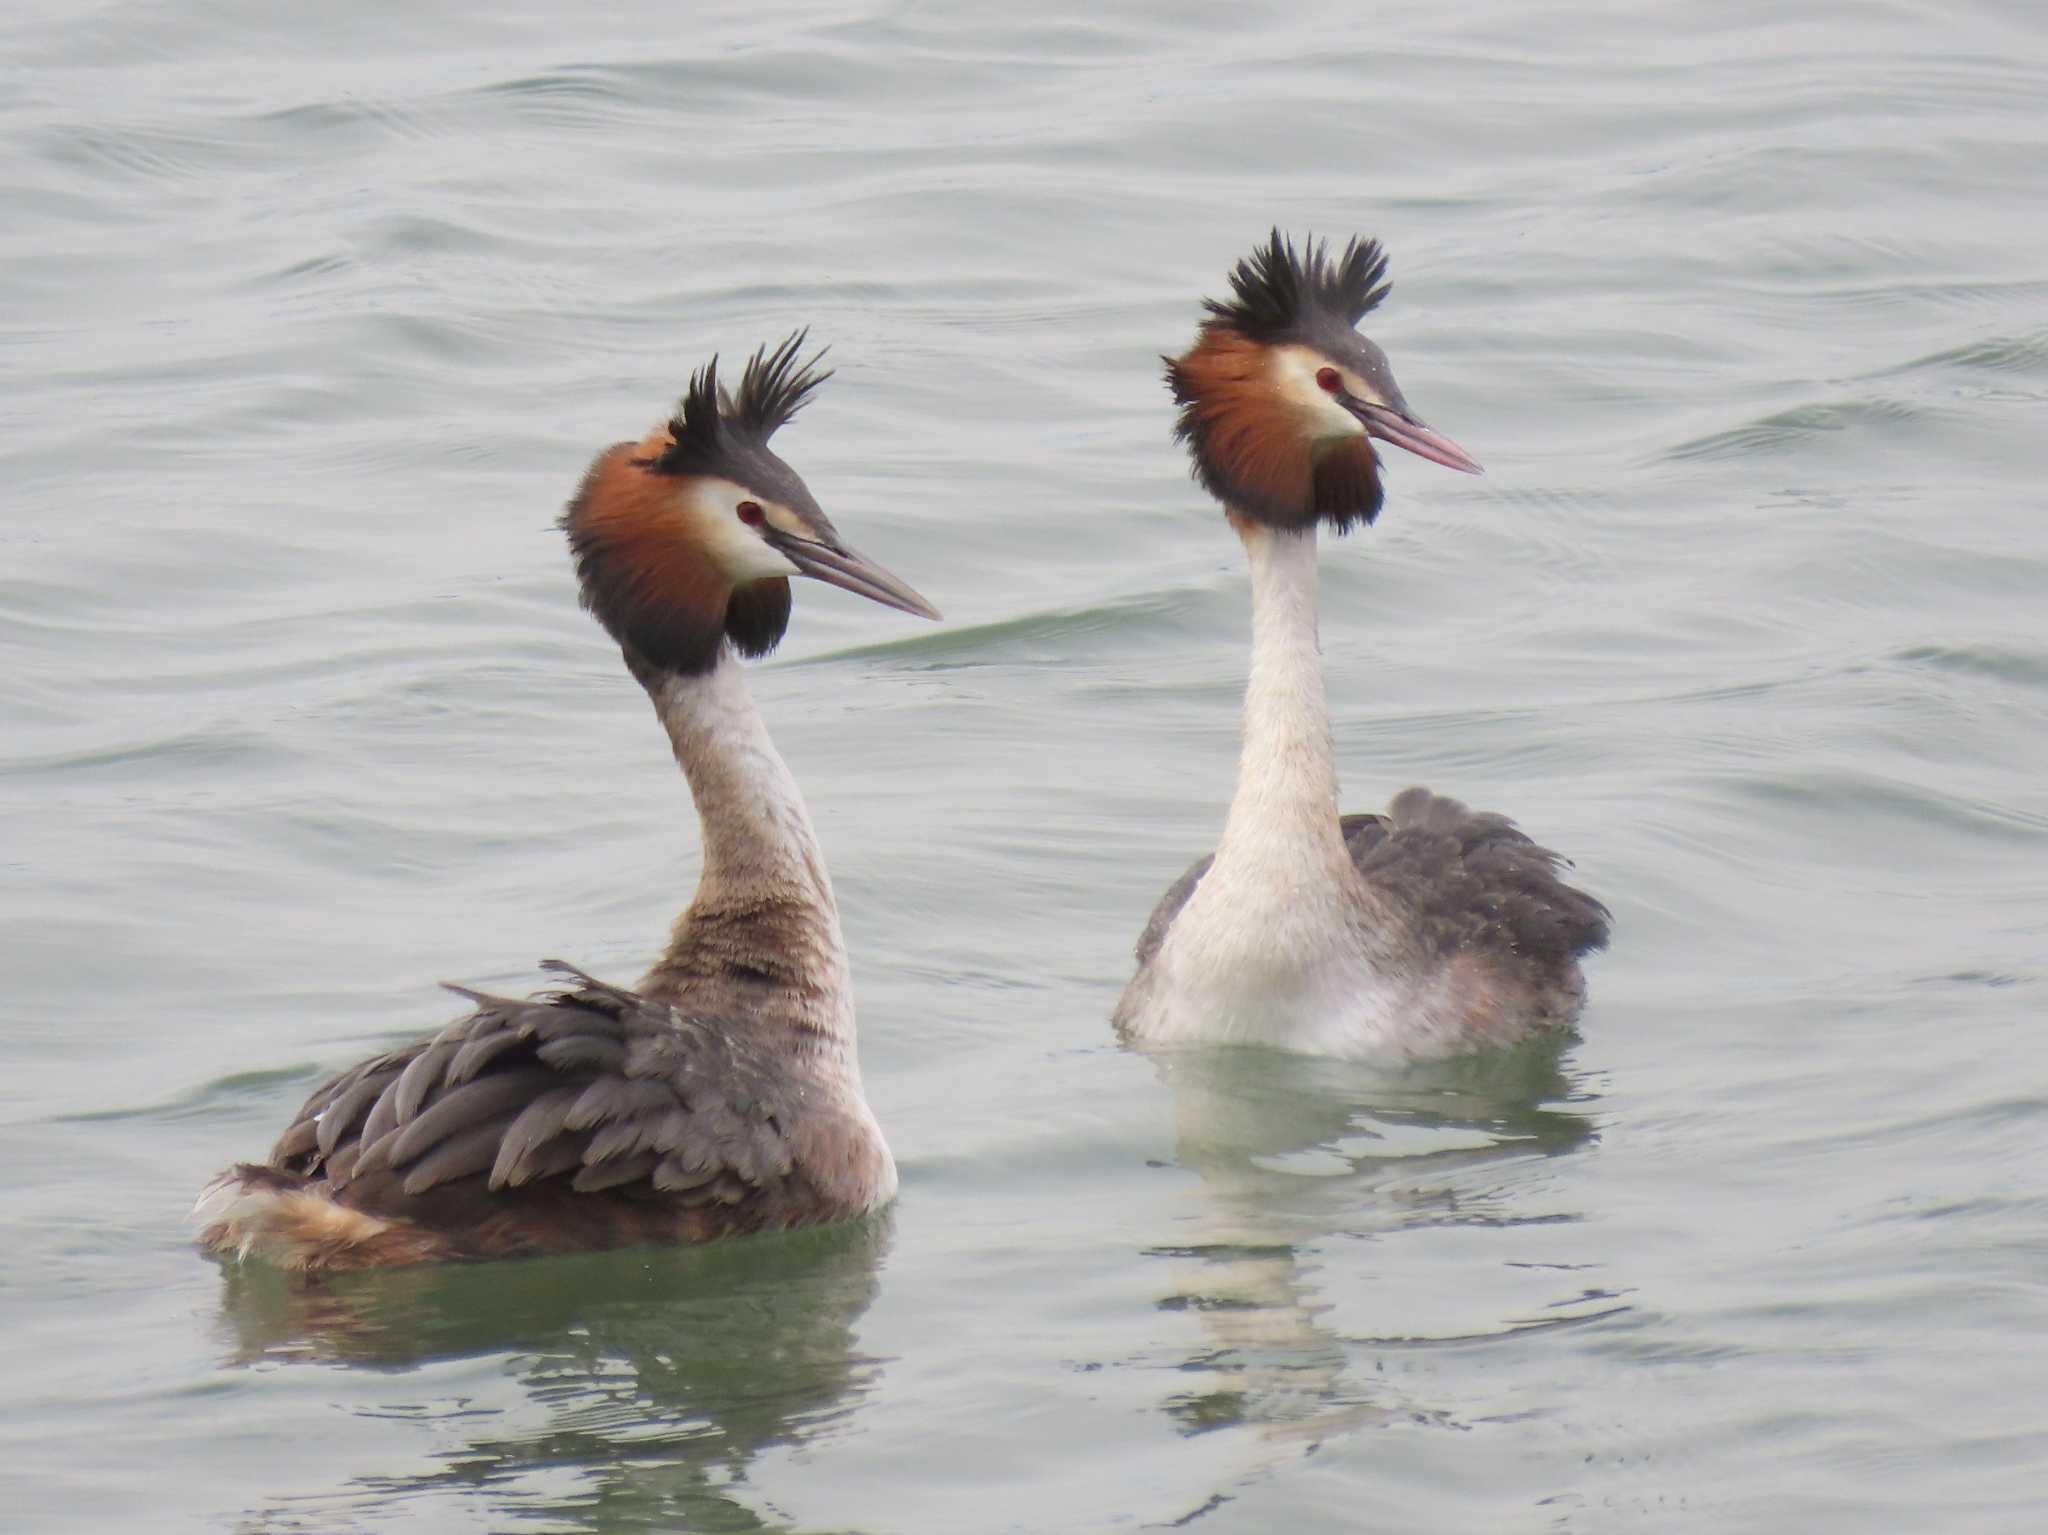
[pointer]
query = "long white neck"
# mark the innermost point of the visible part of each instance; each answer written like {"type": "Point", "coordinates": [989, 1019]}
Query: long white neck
{"type": "Point", "coordinates": [1272, 946]}
{"type": "Point", "coordinates": [763, 922]}
{"type": "Point", "coordinates": [1283, 817]}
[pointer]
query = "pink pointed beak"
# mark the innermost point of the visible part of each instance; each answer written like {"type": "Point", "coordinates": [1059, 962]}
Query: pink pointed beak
{"type": "Point", "coordinates": [1404, 431]}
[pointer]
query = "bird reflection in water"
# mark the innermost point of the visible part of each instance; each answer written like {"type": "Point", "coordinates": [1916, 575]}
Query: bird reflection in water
{"type": "Point", "coordinates": [659, 1374]}
{"type": "Point", "coordinates": [1298, 1154]}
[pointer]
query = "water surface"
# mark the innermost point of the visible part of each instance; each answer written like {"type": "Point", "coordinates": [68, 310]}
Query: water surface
{"type": "Point", "coordinates": [311, 322]}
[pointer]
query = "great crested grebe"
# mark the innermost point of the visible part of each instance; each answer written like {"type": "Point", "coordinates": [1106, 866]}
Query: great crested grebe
{"type": "Point", "coordinates": [1395, 938]}
{"type": "Point", "coordinates": [723, 1096]}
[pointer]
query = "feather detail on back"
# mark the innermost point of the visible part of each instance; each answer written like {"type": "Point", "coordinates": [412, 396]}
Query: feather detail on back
{"type": "Point", "coordinates": [586, 1118]}
{"type": "Point", "coordinates": [1469, 881]}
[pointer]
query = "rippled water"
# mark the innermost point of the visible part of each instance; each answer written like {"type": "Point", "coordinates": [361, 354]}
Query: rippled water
{"type": "Point", "coordinates": [310, 321]}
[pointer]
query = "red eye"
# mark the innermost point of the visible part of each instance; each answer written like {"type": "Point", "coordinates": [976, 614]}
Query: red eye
{"type": "Point", "coordinates": [751, 514]}
{"type": "Point", "coordinates": [1329, 379]}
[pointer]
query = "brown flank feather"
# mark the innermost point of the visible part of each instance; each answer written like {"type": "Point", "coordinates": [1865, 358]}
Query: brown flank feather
{"type": "Point", "coordinates": [302, 1224]}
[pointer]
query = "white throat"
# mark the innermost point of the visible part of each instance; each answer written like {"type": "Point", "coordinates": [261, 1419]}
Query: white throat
{"type": "Point", "coordinates": [1282, 826]}
{"type": "Point", "coordinates": [1275, 945]}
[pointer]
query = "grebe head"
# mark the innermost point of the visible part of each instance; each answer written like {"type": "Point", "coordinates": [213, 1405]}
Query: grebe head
{"type": "Point", "coordinates": [1281, 398]}
{"type": "Point", "coordinates": [688, 538]}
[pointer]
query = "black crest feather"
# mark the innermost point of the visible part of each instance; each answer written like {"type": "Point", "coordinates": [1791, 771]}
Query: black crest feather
{"type": "Point", "coordinates": [776, 385]}
{"type": "Point", "coordinates": [1280, 292]}
{"type": "Point", "coordinates": [710, 425]}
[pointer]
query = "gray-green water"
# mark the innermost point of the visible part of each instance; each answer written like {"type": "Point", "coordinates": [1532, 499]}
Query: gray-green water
{"type": "Point", "coordinates": [310, 319]}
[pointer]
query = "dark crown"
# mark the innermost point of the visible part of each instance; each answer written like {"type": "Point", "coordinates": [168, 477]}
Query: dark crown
{"type": "Point", "coordinates": [1281, 293]}
{"type": "Point", "coordinates": [710, 427]}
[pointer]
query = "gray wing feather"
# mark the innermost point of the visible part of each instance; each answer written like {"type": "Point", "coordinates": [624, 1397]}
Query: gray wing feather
{"type": "Point", "coordinates": [592, 1085]}
{"type": "Point", "coordinates": [1467, 879]}
{"type": "Point", "coordinates": [1168, 908]}
{"type": "Point", "coordinates": [459, 1156]}
{"type": "Point", "coordinates": [478, 1053]}
{"type": "Point", "coordinates": [484, 1101]}
{"type": "Point", "coordinates": [527, 1138]}
{"type": "Point", "coordinates": [424, 1074]}
{"type": "Point", "coordinates": [571, 1051]}
{"type": "Point", "coordinates": [346, 1107]}
{"type": "Point", "coordinates": [596, 1177]}
{"type": "Point", "coordinates": [383, 1118]}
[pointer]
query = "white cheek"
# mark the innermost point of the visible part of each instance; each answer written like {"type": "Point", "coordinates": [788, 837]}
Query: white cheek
{"type": "Point", "coordinates": [741, 553]}
{"type": "Point", "coordinates": [1294, 377]}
